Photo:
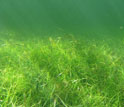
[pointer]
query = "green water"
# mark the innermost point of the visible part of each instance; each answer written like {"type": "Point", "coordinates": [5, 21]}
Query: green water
{"type": "Point", "coordinates": [73, 16]}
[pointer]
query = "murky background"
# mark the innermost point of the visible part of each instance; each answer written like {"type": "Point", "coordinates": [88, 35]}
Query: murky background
{"type": "Point", "coordinates": [70, 16]}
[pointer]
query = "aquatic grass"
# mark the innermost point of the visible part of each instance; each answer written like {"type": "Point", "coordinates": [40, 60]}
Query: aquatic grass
{"type": "Point", "coordinates": [60, 71]}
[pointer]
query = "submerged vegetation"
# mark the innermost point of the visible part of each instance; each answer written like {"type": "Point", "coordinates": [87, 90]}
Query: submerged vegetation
{"type": "Point", "coordinates": [61, 72]}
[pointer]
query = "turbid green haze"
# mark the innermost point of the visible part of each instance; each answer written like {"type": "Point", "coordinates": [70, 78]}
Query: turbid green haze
{"type": "Point", "coordinates": [68, 15]}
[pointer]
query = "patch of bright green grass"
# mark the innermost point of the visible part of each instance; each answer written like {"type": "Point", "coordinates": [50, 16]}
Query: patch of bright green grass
{"type": "Point", "coordinates": [60, 72]}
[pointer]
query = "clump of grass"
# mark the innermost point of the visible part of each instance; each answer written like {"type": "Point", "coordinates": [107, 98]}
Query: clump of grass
{"type": "Point", "coordinates": [60, 72]}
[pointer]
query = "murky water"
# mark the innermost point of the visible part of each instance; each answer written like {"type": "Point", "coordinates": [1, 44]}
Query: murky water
{"type": "Point", "coordinates": [70, 16]}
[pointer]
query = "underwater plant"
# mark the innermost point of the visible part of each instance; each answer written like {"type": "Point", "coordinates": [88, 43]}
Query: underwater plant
{"type": "Point", "coordinates": [56, 71]}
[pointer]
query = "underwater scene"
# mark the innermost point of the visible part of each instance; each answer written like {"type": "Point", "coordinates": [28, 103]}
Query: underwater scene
{"type": "Point", "coordinates": [61, 53]}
